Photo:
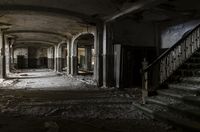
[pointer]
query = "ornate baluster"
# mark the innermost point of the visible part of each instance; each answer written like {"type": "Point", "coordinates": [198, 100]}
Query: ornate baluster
{"type": "Point", "coordinates": [144, 81]}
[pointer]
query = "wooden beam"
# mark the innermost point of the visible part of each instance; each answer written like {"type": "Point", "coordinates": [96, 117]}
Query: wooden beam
{"type": "Point", "coordinates": [135, 7]}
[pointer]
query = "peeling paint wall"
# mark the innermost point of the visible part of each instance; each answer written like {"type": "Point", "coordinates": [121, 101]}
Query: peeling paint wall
{"type": "Point", "coordinates": [174, 31]}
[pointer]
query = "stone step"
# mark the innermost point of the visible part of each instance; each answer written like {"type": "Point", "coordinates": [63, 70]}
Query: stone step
{"type": "Point", "coordinates": [180, 95]}
{"type": "Point", "coordinates": [188, 72]}
{"type": "Point", "coordinates": [177, 94]}
{"type": "Point", "coordinates": [190, 80]}
{"type": "Point", "coordinates": [195, 100]}
{"type": "Point", "coordinates": [196, 54]}
{"type": "Point", "coordinates": [194, 59]}
{"type": "Point", "coordinates": [190, 65]}
{"type": "Point", "coordinates": [161, 113]}
{"type": "Point", "coordinates": [187, 87]}
{"type": "Point", "coordinates": [174, 105]}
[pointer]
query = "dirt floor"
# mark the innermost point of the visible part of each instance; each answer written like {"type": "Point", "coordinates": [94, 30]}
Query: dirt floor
{"type": "Point", "coordinates": [78, 107]}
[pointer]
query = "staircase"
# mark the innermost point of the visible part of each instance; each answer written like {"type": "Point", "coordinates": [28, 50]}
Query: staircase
{"type": "Point", "coordinates": [177, 98]}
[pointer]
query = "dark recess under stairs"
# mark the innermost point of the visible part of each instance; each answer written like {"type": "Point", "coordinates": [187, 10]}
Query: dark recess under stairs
{"type": "Point", "coordinates": [179, 101]}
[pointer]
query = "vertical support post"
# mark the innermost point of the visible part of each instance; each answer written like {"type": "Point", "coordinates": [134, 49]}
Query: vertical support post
{"type": "Point", "coordinates": [108, 57]}
{"type": "Point", "coordinates": [50, 57]}
{"type": "Point", "coordinates": [98, 60]}
{"type": "Point", "coordinates": [7, 54]}
{"type": "Point", "coordinates": [144, 81]}
{"type": "Point", "coordinates": [11, 57]}
{"type": "Point", "coordinates": [2, 55]}
{"type": "Point", "coordinates": [117, 65]}
{"type": "Point", "coordinates": [55, 57]}
{"type": "Point", "coordinates": [88, 56]}
{"type": "Point", "coordinates": [59, 58]}
{"type": "Point", "coordinates": [74, 58]}
{"type": "Point", "coordinates": [68, 57]}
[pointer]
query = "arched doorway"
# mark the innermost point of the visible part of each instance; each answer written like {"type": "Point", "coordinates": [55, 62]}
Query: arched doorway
{"type": "Point", "coordinates": [84, 51]}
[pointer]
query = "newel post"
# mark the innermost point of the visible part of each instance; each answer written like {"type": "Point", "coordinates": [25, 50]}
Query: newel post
{"type": "Point", "coordinates": [144, 80]}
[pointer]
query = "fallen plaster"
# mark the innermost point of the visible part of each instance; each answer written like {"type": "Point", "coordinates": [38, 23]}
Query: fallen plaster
{"type": "Point", "coordinates": [46, 80]}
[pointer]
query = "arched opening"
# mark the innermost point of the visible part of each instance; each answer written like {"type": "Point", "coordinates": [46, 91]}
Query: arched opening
{"type": "Point", "coordinates": [85, 54]}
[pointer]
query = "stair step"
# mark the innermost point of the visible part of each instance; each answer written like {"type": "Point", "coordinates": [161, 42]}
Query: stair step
{"type": "Point", "coordinates": [168, 116]}
{"type": "Point", "coordinates": [191, 80]}
{"type": "Point", "coordinates": [194, 59]}
{"type": "Point", "coordinates": [196, 54]}
{"type": "Point", "coordinates": [195, 89]}
{"type": "Point", "coordinates": [190, 111]}
{"type": "Point", "coordinates": [178, 120]}
{"type": "Point", "coordinates": [188, 72]}
{"type": "Point", "coordinates": [195, 100]}
{"type": "Point", "coordinates": [178, 94]}
{"type": "Point", "coordinates": [191, 65]}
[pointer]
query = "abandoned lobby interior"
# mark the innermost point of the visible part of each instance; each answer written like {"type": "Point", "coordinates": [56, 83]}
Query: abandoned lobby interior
{"type": "Point", "coordinates": [99, 65]}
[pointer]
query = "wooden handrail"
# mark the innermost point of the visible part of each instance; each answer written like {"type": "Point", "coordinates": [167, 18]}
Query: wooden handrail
{"type": "Point", "coordinates": [168, 50]}
{"type": "Point", "coordinates": [166, 64]}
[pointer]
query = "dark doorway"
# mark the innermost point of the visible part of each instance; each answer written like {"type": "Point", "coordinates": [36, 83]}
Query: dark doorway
{"type": "Point", "coordinates": [20, 62]}
{"type": "Point", "coordinates": [32, 61]}
{"type": "Point", "coordinates": [131, 65]}
{"type": "Point", "coordinates": [43, 62]}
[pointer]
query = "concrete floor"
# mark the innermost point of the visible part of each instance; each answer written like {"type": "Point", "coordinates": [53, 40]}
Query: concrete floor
{"type": "Point", "coordinates": [44, 101]}
{"type": "Point", "coordinates": [44, 79]}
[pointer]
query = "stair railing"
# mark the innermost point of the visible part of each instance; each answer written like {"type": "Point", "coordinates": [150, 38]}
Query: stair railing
{"type": "Point", "coordinates": [162, 68]}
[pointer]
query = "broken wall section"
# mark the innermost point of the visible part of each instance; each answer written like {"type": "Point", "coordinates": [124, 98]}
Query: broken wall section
{"type": "Point", "coordinates": [173, 31]}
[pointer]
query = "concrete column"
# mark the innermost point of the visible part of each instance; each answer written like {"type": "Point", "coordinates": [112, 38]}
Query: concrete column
{"type": "Point", "coordinates": [59, 58]}
{"type": "Point", "coordinates": [74, 59]}
{"type": "Point", "coordinates": [117, 64]}
{"type": "Point", "coordinates": [50, 57]}
{"type": "Point", "coordinates": [108, 57]}
{"type": "Point", "coordinates": [2, 56]}
{"type": "Point", "coordinates": [55, 58]}
{"type": "Point", "coordinates": [68, 57]}
{"type": "Point", "coordinates": [98, 50]}
{"type": "Point", "coordinates": [7, 54]}
{"type": "Point", "coordinates": [88, 57]}
{"type": "Point", "coordinates": [12, 56]}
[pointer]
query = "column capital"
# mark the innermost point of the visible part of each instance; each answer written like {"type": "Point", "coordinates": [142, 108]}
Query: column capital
{"type": "Point", "coordinates": [4, 27]}
{"type": "Point", "coordinates": [11, 39]}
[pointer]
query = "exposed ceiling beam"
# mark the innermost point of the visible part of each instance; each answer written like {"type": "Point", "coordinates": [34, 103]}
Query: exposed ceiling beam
{"type": "Point", "coordinates": [135, 7]}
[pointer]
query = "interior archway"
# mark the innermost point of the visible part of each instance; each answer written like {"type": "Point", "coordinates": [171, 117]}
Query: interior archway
{"type": "Point", "coordinates": [85, 54]}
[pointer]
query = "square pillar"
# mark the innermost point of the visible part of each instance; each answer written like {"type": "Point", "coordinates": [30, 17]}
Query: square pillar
{"type": "Point", "coordinates": [74, 58]}
{"type": "Point", "coordinates": [98, 59]}
{"type": "Point", "coordinates": [50, 55]}
{"type": "Point", "coordinates": [68, 57]}
{"type": "Point", "coordinates": [108, 56]}
{"type": "Point", "coordinates": [88, 57]}
{"type": "Point", "coordinates": [59, 59]}
{"type": "Point", "coordinates": [7, 54]}
{"type": "Point", "coordinates": [2, 56]}
{"type": "Point", "coordinates": [55, 57]}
